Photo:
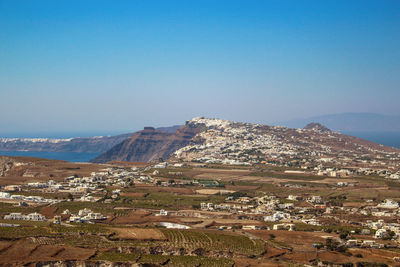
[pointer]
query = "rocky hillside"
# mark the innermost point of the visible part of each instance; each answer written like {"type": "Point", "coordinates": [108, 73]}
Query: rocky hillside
{"type": "Point", "coordinates": [221, 141]}
{"type": "Point", "coordinates": [150, 145]}
{"type": "Point", "coordinates": [316, 126]}
{"type": "Point", "coordinates": [245, 143]}
{"type": "Point", "coordinates": [6, 164]}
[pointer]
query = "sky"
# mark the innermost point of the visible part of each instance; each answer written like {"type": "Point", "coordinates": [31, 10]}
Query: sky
{"type": "Point", "coordinates": [116, 66]}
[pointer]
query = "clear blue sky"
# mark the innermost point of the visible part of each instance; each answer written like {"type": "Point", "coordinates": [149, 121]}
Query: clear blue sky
{"type": "Point", "coordinates": [109, 66]}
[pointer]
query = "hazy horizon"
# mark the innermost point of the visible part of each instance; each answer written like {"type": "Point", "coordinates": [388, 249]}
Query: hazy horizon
{"type": "Point", "coordinates": [114, 67]}
{"type": "Point", "coordinates": [300, 123]}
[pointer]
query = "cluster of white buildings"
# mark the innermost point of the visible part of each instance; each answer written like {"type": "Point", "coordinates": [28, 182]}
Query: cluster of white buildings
{"type": "Point", "coordinates": [22, 198]}
{"type": "Point", "coordinates": [85, 215]}
{"type": "Point", "coordinates": [270, 208]}
{"type": "Point", "coordinates": [51, 184]}
{"type": "Point", "coordinates": [233, 143]}
{"type": "Point", "coordinates": [29, 217]}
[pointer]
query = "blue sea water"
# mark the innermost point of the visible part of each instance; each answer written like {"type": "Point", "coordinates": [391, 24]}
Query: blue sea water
{"type": "Point", "coordinates": [68, 156]}
{"type": "Point", "coordinates": [391, 139]}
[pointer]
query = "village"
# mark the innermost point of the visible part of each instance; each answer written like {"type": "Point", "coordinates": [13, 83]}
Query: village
{"type": "Point", "coordinates": [234, 143]}
{"type": "Point", "coordinates": [264, 212]}
{"type": "Point", "coordinates": [270, 200]}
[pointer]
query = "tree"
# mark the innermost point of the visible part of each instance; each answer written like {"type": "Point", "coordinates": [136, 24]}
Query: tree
{"type": "Point", "coordinates": [343, 235]}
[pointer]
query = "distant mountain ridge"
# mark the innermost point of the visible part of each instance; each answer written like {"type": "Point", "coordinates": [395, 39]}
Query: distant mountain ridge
{"type": "Point", "coordinates": [350, 122]}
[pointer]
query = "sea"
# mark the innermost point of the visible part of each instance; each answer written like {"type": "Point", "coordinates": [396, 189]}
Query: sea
{"type": "Point", "coordinates": [67, 156]}
{"type": "Point", "coordinates": [391, 139]}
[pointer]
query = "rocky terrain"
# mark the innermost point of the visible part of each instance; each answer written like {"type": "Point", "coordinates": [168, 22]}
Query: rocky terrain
{"type": "Point", "coordinates": [245, 143]}
{"type": "Point", "coordinates": [6, 164]}
{"type": "Point", "coordinates": [221, 141]}
{"type": "Point", "coordinates": [150, 144]}
{"type": "Point", "coordinates": [351, 122]}
{"type": "Point", "coordinates": [316, 127]}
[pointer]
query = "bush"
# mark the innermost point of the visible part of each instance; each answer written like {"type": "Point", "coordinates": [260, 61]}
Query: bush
{"type": "Point", "coordinates": [343, 235]}
{"type": "Point", "coordinates": [272, 236]}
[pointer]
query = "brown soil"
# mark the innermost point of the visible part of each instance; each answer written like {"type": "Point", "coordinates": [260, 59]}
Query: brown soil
{"type": "Point", "coordinates": [138, 233]}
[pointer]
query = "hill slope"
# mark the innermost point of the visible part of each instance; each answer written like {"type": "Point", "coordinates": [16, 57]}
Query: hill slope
{"type": "Point", "coordinates": [149, 145]}
{"type": "Point", "coordinates": [350, 122]}
{"type": "Point", "coordinates": [227, 142]}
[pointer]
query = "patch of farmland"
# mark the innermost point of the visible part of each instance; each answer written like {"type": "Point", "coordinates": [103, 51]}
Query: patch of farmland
{"type": "Point", "coordinates": [213, 241]}
{"type": "Point", "coordinates": [138, 233]}
{"type": "Point", "coordinates": [74, 253]}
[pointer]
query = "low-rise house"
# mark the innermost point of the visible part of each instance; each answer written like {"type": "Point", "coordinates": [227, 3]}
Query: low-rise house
{"type": "Point", "coordinates": [30, 217]}
{"type": "Point", "coordinates": [66, 211]}
{"type": "Point", "coordinates": [86, 215]}
{"type": "Point", "coordinates": [250, 227]}
{"type": "Point", "coordinates": [371, 244]}
{"type": "Point", "coordinates": [352, 243]}
{"type": "Point", "coordinates": [163, 213]}
{"type": "Point", "coordinates": [381, 233]}
{"type": "Point", "coordinates": [277, 217]}
{"type": "Point", "coordinates": [5, 195]}
{"type": "Point", "coordinates": [161, 165]}
{"type": "Point", "coordinates": [14, 216]}
{"type": "Point", "coordinates": [87, 198]}
{"type": "Point", "coordinates": [311, 221]}
{"type": "Point", "coordinates": [365, 232]}
{"type": "Point", "coordinates": [315, 199]}
{"type": "Point", "coordinates": [284, 226]}
{"type": "Point", "coordinates": [12, 188]}
{"type": "Point", "coordinates": [37, 185]}
{"type": "Point", "coordinates": [294, 198]}
{"type": "Point", "coordinates": [35, 217]}
{"type": "Point", "coordinates": [286, 206]}
{"type": "Point", "coordinates": [381, 214]}
{"type": "Point", "coordinates": [388, 204]}
{"type": "Point", "coordinates": [75, 218]}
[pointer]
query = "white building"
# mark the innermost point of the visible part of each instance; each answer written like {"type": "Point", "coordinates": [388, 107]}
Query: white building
{"type": "Point", "coordinates": [284, 226]}
{"type": "Point", "coordinates": [163, 213]}
{"type": "Point", "coordinates": [381, 233]}
{"type": "Point", "coordinates": [294, 198]}
{"type": "Point", "coordinates": [388, 204]}
{"type": "Point", "coordinates": [30, 217]}
{"type": "Point", "coordinates": [4, 195]}
{"type": "Point", "coordinates": [277, 217]}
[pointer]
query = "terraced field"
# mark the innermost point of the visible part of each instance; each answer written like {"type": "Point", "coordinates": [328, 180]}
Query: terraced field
{"type": "Point", "coordinates": [213, 241]}
{"type": "Point", "coordinates": [165, 260]}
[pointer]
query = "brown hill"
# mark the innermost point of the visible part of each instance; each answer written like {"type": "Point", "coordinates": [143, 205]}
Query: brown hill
{"type": "Point", "coordinates": [316, 127]}
{"type": "Point", "coordinates": [149, 145]}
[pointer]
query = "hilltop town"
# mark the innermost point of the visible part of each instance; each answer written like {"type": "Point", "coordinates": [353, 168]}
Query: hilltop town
{"type": "Point", "coordinates": [313, 148]}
